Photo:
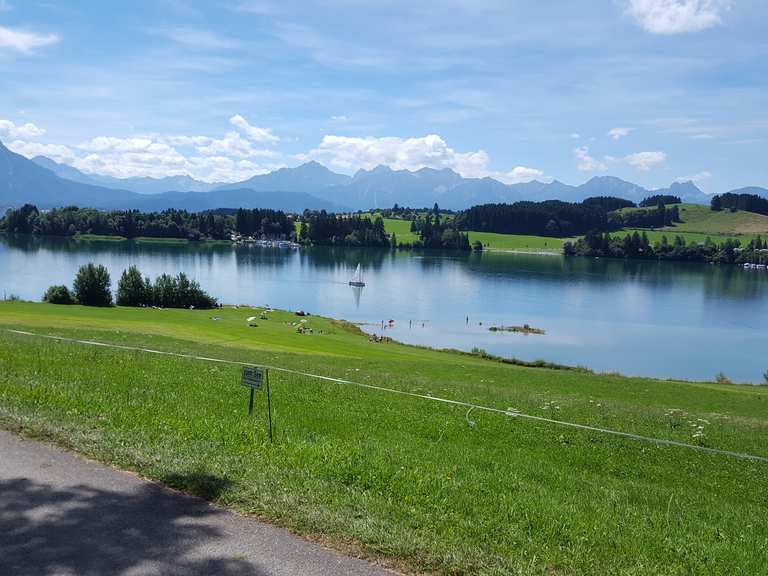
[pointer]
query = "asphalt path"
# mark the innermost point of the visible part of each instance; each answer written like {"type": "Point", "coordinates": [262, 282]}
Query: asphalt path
{"type": "Point", "coordinates": [64, 515]}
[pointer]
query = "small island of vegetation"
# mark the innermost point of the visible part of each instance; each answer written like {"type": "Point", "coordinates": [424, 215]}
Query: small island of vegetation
{"type": "Point", "coordinates": [524, 329]}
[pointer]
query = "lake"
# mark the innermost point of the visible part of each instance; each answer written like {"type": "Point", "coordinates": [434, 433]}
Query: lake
{"type": "Point", "coordinates": [667, 320]}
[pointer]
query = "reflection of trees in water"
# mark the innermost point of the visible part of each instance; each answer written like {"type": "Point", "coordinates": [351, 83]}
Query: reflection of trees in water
{"type": "Point", "coordinates": [715, 280]}
{"type": "Point", "coordinates": [736, 283]}
{"type": "Point", "coordinates": [430, 260]}
{"type": "Point", "coordinates": [31, 244]}
{"type": "Point", "coordinates": [335, 259]}
{"type": "Point", "coordinates": [257, 256]}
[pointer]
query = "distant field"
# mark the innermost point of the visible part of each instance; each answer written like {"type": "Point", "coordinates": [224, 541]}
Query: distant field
{"type": "Point", "coordinates": [401, 228]}
{"type": "Point", "coordinates": [491, 241]}
{"type": "Point", "coordinates": [432, 487]}
{"type": "Point", "coordinates": [514, 242]}
{"type": "Point", "coordinates": [100, 238]}
{"type": "Point", "coordinates": [705, 222]}
{"type": "Point", "coordinates": [699, 224]}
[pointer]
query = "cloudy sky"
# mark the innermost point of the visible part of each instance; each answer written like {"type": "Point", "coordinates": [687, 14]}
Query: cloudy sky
{"type": "Point", "coordinates": [648, 90]}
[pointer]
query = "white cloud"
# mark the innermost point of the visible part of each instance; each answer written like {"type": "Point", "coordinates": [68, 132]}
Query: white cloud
{"type": "Point", "coordinates": [351, 153]}
{"type": "Point", "coordinates": [253, 132]}
{"type": "Point", "coordinates": [223, 169]}
{"type": "Point", "coordinates": [112, 144]}
{"type": "Point", "coordinates": [644, 161]}
{"type": "Point", "coordinates": [24, 42]}
{"type": "Point", "coordinates": [232, 145]}
{"type": "Point", "coordinates": [227, 159]}
{"type": "Point", "coordinates": [586, 162]}
{"type": "Point", "coordinates": [520, 174]}
{"type": "Point", "coordinates": [26, 131]}
{"type": "Point", "coordinates": [619, 133]}
{"type": "Point", "coordinates": [574, 136]}
{"type": "Point", "coordinates": [57, 152]}
{"type": "Point", "coordinates": [340, 118]}
{"type": "Point", "coordinates": [697, 178]}
{"type": "Point", "coordinates": [677, 16]}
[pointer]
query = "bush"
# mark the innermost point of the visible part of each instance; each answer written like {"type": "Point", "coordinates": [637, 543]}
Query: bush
{"type": "Point", "coordinates": [765, 376]}
{"type": "Point", "coordinates": [133, 290]}
{"type": "Point", "coordinates": [58, 295]}
{"type": "Point", "coordinates": [92, 286]}
{"type": "Point", "coordinates": [723, 379]}
{"type": "Point", "coordinates": [477, 246]}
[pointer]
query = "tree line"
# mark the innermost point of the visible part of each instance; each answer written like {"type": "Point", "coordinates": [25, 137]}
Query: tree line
{"type": "Point", "coordinates": [212, 225]}
{"type": "Point", "coordinates": [438, 232]}
{"type": "Point", "coordinates": [562, 219]}
{"type": "Point", "coordinates": [657, 217]}
{"type": "Point", "coordinates": [733, 202]}
{"type": "Point", "coordinates": [548, 218]}
{"type": "Point", "coordinates": [637, 246]}
{"type": "Point", "coordinates": [660, 200]}
{"type": "Point", "coordinates": [328, 229]}
{"type": "Point", "coordinates": [92, 286]}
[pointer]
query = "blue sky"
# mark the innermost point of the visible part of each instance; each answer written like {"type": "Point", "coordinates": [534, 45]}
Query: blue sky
{"type": "Point", "coordinates": [648, 90]}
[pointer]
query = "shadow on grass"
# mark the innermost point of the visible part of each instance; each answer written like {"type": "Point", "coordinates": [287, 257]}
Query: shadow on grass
{"type": "Point", "coordinates": [204, 486]}
{"type": "Point", "coordinates": [45, 530]}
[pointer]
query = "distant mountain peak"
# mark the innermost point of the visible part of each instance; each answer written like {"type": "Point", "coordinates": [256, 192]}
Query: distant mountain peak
{"type": "Point", "coordinates": [687, 185]}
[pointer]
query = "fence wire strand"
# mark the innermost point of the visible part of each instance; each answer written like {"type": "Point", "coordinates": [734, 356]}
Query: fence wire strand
{"type": "Point", "coordinates": [469, 405]}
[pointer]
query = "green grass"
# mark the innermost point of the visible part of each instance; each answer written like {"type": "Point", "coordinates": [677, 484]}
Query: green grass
{"type": "Point", "coordinates": [519, 243]}
{"type": "Point", "coordinates": [100, 238]}
{"type": "Point", "coordinates": [491, 241]}
{"type": "Point", "coordinates": [698, 222]}
{"type": "Point", "coordinates": [396, 477]}
{"type": "Point", "coordinates": [401, 228]}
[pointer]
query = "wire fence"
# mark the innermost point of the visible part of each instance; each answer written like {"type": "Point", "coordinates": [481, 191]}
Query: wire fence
{"type": "Point", "coordinates": [289, 379]}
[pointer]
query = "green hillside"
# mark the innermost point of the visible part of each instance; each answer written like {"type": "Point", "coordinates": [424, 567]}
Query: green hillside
{"type": "Point", "coordinates": [702, 220]}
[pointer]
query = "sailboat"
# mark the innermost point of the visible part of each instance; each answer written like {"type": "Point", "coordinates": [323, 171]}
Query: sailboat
{"type": "Point", "coordinates": [357, 279]}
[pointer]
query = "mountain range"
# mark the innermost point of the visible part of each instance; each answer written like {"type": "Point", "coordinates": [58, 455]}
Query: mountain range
{"type": "Point", "coordinates": [48, 184]}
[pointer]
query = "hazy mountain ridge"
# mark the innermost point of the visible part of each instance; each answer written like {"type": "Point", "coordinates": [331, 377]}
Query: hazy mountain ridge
{"type": "Point", "coordinates": [23, 181]}
{"type": "Point", "coordinates": [308, 186]}
{"type": "Point", "coordinates": [307, 178]}
{"type": "Point", "coordinates": [140, 185]}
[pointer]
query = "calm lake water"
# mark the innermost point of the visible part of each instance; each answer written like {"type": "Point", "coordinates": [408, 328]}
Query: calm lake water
{"type": "Point", "coordinates": [669, 320]}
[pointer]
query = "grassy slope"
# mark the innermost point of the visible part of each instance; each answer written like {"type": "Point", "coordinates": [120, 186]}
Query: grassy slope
{"type": "Point", "coordinates": [395, 476]}
{"type": "Point", "coordinates": [512, 242]}
{"type": "Point", "coordinates": [699, 222]}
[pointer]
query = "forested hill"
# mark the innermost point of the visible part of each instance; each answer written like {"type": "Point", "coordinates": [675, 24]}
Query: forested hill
{"type": "Point", "coordinates": [73, 221]}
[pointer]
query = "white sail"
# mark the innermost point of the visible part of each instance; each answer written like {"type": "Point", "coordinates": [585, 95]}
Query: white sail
{"type": "Point", "coordinates": [357, 279]}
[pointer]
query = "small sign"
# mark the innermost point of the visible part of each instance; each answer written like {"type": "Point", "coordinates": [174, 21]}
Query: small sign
{"type": "Point", "coordinates": [253, 377]}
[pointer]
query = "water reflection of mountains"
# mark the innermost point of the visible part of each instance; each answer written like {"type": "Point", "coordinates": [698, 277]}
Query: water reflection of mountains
{"type": "Point", "coordinates": [715, 280]}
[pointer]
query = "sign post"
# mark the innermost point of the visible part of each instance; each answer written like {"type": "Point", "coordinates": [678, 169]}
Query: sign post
{"type": "Point", "coordinates": [256, 378]}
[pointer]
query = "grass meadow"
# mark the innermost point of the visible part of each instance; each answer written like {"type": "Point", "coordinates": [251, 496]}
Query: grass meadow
{"type": "Point", "coordinates": [419, 485]}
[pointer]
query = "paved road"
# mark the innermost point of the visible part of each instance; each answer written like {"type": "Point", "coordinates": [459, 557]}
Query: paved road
{"type": "Point", "coordinates": [62, 515]}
